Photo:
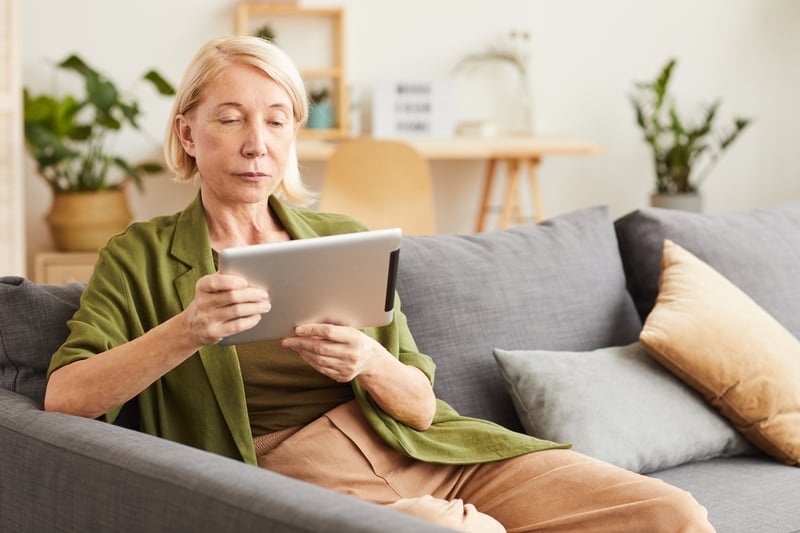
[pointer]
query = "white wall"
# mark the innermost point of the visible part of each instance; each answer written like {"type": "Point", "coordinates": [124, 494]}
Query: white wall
{"type": "Point", "coordinates": [12, 227]}
{"type": "Point", "coordinates": [585, 56]}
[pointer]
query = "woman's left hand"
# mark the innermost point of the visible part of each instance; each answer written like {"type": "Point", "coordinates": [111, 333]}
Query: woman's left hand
{"type": "Point", "coordinates": [343, 353]}
{"type": "Point", "coordinates": [338, 352]}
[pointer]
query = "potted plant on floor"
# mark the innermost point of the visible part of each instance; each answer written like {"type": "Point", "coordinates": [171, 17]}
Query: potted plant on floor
{"type": "Point", "coordinates": [68, 138]}
{"type": "Point", "coordinates": [684, 153]}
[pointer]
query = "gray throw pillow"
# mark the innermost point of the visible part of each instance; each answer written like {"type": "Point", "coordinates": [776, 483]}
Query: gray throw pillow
{"type": "Point", "coordinates": [616, 404]}
{"type": "Point", "coordinates": [759, 251]}
{"type": "Point", "coordinates": [557, 285]}
{"type": "Point", "coordinates": [33, 324]}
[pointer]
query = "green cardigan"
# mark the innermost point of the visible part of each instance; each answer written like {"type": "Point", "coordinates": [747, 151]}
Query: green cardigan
{"type": "Point", "coordinates": [147, 275]}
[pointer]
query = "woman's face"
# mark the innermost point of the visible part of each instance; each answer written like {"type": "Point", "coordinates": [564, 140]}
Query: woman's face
{"type": "Point", "coordinates": [240, 135]}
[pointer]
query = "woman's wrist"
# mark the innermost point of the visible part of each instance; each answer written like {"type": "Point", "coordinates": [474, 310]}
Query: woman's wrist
{"type": "Point", "coordinates": [402, 391]}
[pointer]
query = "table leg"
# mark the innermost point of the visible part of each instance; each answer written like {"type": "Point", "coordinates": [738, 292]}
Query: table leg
{"type": "Point", "coordinates": [533, 181]}
{"type": "Point", "coordinates": [511, 209]}
{"type": "Point", "coordinates": [488, 183]}
{"type": "Point", "coordinates": [511, 201]}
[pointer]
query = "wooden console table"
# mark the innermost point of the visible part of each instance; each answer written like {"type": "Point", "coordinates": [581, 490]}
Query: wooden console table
{"type": "Point", "coordinates": [519, 154]}
{"type": "Point", "coordinates": [58, 268]}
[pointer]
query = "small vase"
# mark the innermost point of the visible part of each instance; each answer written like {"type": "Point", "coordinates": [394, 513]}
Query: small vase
{"type": "Point", "coordinates": [683, 201]}
{"type": "Point", "coordinates": [523, 123]}
{"type": "Point", "coordinates": [84, 221]}
{"type": "Point", "coordinates": [320, 116]}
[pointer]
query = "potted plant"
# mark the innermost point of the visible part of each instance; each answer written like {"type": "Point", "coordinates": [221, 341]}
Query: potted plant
{"type": "Point", "coordinates": [320, 110]}
{"type": "Point", "coordinates": [684, 153]}
{"type": "Point", "coordinates": [68, 138]}
{"type": "Point", "coordinates": [514, 109]}
{"type": "Point", "coordinates": [266, 32]}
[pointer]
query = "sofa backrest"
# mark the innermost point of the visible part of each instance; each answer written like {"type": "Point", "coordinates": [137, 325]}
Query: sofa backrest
{"type": "Point", "coordinates": [757, 250]}
{"type": "Point", "coordinates": [33, 324]}
{"type": "Point", "coordinates": [557, 285]}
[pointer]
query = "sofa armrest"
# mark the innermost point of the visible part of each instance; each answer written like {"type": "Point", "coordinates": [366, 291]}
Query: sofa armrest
{"type": "Point", "coordinates": [61, 472]}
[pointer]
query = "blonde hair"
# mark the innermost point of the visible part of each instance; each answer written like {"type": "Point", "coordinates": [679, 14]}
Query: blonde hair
{"type": "Point", "coordinates": [206, 69]}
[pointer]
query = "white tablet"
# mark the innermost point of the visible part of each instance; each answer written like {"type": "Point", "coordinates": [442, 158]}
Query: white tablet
{"type": "Point", "coordinates": [344, 279]}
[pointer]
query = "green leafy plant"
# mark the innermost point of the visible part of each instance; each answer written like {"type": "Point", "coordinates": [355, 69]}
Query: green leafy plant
{"type": "Point", "coordinates": [68, 135]}
{"type": "Point", "coordinates": [684, 153]}
{"type": "Point", "coordinates": [266, 32]}
{"type": "Point", "coordinates": [319, 96]}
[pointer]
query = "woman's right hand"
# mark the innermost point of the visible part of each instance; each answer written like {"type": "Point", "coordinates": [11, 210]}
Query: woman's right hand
{"type": "Point", "coordinates": [223, 305]}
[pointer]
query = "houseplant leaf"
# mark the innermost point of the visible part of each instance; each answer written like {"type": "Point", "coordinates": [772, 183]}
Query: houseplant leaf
{"type": "Point", "coordinates": [67, 135]}
{"type": "Point", "coordinates": [161, 85]}
{"type": "Point", "coordinates": [678, 146]}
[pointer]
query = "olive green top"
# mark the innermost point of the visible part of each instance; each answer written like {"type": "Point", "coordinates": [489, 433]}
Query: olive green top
{"type": "Point", "coordinates": [282, 390]}
{"type": "Point", "coordinates": [147, 275]}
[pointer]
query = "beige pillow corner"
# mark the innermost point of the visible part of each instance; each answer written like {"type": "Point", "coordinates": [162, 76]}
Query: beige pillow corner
{"type": "Point", "coordinates": [719, 341]}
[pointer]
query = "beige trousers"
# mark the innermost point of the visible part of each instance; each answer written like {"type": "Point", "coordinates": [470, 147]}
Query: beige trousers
{"type": "Point", "coordinates": [551, 490]}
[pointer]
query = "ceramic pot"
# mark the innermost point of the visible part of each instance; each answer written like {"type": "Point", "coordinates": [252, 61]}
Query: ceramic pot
{"type": "Point", "coordinates": [683, 201]}
{"type": "Point", "coordinates": [320, 116]}
{"type": "Point", "coordinates": [84, 221]}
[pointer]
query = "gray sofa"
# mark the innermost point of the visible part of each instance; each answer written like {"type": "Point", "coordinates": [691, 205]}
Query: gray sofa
{"type": "Point", "coordinates": [535, 327]}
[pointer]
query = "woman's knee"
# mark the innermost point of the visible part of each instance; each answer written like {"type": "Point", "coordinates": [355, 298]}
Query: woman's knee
{"type": "Point", "coordinates": [453, 514]}
{"type": "Point", "coordinates": [681, 512]}
{"type": "Point", "coordinates": [567, 491]}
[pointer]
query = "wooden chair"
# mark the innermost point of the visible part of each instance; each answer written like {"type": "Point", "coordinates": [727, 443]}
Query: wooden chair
{"type": "Point", "coordinates": [381, 183]}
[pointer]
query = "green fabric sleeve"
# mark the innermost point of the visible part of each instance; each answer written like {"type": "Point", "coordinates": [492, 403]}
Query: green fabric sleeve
{"type": "Point", "coordinates": [452, 438]}
{"type": "Point", "coordinates": [99, 323]}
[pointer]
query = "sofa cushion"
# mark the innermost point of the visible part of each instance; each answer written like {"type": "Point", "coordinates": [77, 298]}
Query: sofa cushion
{"type": "Point", "coordinates": [33, 324]}
{"type": "Point", "coordinates": [742, 494]}
{"type": "Point", "coordinates": [717, 339]}
{"type": "Point", "coordinates": [616, 404]}
{"type": "Point", "coordinates": [759, 251]}
{"type": "Point", "coordinates": [557, 285]}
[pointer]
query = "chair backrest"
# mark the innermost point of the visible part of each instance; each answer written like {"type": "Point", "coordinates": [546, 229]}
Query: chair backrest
{"type": "Point", "coordinates": [381, 183]}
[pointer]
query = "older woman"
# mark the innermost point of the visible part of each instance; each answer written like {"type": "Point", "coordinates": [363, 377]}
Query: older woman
{"type": "Point", "coordinates": [347, 409]}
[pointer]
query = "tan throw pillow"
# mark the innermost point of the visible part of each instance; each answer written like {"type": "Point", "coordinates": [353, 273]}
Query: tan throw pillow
{"type": "Point", "coordinates": [719, 341]}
